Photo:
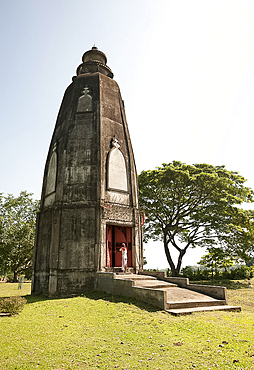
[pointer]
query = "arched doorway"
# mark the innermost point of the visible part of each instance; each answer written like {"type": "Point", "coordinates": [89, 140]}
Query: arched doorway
{"type": "Point", "coordinates": [116, 235]}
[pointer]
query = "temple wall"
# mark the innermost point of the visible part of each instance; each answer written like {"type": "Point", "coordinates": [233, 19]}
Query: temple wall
{"type": "Point", "coordinates": [89, 182]}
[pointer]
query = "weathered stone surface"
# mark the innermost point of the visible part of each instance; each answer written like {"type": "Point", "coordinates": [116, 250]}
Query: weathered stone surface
{"type": "Point", "coordinates": [90, 182]}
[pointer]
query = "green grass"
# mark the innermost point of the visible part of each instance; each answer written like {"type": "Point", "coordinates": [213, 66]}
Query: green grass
{"type": "Point", "coordinates": [98, 331]}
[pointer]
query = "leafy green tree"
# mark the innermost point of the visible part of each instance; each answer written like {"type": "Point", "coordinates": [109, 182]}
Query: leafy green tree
{"type": "Point", "coordinates": [240, 237]}
{"type": "Point", "coordinates": [17, 231]}
{"type": "Point", "coordinates": [216, 259]}
{"type": "Point", "coordinates": [193, 205]}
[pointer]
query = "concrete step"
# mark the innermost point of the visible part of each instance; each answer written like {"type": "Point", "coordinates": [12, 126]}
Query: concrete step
{"type": "Point", "coordinates": [135, 277]}
{"type": "Point", "coordinates": [194, 304]}
{"type": "Point", "coordinates": [154, 284]}
{"type": "Point", "coordinates": [186, 311]}
{"type": "Point", "coordinates": [118, 270]}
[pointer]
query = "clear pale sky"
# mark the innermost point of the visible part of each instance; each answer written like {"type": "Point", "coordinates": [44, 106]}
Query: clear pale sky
{"type": "Point", "coordinates": [185, 69]}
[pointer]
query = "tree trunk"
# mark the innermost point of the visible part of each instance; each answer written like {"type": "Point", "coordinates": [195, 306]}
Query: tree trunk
{"type": "Point", "coordinates": [169, 259]}
{"type": "Point", "coordinates": [175, 270]}
{"type": "Point", "coordinates": [16, 277]}
{"type": "Point", "coordinates": [180, 260]}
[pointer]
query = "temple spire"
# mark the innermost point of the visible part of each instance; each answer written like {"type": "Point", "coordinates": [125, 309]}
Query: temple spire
{"type": "Point", "coordinates": [94, 60]}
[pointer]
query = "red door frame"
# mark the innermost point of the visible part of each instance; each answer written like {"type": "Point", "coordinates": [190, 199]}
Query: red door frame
{"type": "Point", "coordinates": [115, 236]}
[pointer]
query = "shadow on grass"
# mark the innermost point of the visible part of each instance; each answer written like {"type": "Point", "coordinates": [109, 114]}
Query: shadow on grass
{"type": "Point", "coordinates": [229, 284]}
{"type": "Point", "coordinates": [96, 295]}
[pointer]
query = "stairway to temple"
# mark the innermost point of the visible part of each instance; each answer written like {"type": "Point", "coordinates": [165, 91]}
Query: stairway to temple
{"type": "Point", "coordinates": [166, 295]}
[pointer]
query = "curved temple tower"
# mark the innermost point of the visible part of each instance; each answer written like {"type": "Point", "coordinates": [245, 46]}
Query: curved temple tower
{"type": "Point", "coordinates": [89, 202]}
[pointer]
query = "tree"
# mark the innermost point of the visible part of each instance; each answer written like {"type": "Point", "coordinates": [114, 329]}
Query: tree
{"type": "Point", "coordinates": [216, 259]}
{"type": "Point", "coordinates": [17, 231]}
{"type": "Point", "coordinates": [193, 205]}
{"type": "Point", "coordinates": [240, 238]}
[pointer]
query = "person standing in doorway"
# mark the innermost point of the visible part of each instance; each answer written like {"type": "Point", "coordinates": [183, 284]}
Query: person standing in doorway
{"type": "Point", "coordinates": [123, 249]}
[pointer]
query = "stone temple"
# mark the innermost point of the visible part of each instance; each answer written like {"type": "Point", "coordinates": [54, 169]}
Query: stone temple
{"type": "Point", "coordinates": [89, 201]}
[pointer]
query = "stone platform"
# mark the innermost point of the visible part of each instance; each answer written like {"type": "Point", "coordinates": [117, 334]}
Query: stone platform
{"type": "Point", "coordinates": [167, 295]}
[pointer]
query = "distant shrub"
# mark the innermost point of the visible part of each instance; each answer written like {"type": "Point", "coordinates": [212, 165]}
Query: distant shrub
{"type": "Point", "coordinates": [251, 271]}
{"type": "Point", "coordinates": [226, 275]}
{"type": "Point", "coordinates": [242, 272]}
{"type": "Point", "coordinates": [188, 272]}
{"type": "Point", "coordinates": [10, 277]}
{"type": "Point", "coordinates": [234, 273]}
{"type": "Point", "coordinates": [12, 305]}
{"type": "Point", "coordinates": [205, 274]}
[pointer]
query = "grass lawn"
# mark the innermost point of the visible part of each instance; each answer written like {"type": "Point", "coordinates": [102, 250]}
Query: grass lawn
{"type": "Point", "coordinates": [98, 331]}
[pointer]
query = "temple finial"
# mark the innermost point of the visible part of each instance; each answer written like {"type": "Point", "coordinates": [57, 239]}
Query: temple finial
{"type": "Point", "coordinates": [94, 60]}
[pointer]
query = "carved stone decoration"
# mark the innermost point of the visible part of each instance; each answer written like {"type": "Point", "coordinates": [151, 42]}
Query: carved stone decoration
{"type": "Point", "coordinates": [118, 213]}
{"type": "Point", "coordinates": [52, 173]}
{"type": "Point", "coordinates": [117, 174]}
{"type": "Point", "coordinates": [85, 101]}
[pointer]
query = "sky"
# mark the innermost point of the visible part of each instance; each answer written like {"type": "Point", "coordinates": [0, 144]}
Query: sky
{"type": "Point", "coordinates": [185, 70]}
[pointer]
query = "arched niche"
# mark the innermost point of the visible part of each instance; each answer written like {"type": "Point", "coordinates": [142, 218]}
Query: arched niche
{"type": "Point", "coordinates": [85, 101]}
{"type": "Point", "coordinates": [52, 173]}
{"type": "Point", "coordinates": [117, 172]}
